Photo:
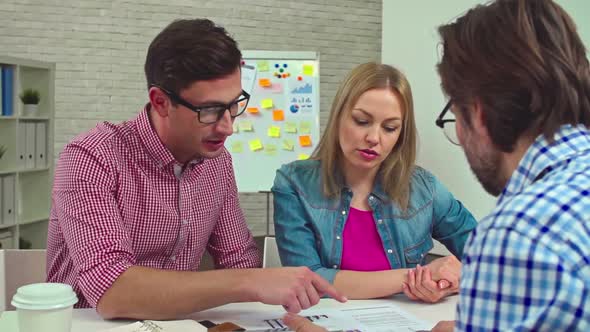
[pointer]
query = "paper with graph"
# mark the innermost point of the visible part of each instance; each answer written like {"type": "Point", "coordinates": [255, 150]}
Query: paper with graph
{"type": "Point", "coordinates": [382, 318]}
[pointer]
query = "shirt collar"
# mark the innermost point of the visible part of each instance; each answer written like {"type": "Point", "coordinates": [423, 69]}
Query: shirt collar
{"type": "Point", "coordinates": [542, 156]}
{"type": "Point", "coordinates": [152, 143]}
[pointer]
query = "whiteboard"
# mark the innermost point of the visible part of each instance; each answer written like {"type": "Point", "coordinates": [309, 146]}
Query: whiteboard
{"type": "Point", "coordinates": [281, 122]}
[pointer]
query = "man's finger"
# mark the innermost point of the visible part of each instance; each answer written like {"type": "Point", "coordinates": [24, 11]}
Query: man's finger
{"type": "Point", "coordinates": [312, 295]}
{"type": "Point", "coordinates": [301, 324]}
{"type": "Point", "coordinates": [323, 287]}
{"type": "Point", "coordinates": [293, 306]}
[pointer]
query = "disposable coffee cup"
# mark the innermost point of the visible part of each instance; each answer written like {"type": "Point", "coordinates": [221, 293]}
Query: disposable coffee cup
{"type": "Point", "coordinates": [44, 307]}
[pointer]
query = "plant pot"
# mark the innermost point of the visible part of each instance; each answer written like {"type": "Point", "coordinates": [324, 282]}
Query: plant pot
{"type": "Point", "coordinates": [30, 109]}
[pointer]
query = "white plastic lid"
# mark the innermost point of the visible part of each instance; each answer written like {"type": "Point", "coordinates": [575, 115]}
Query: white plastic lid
{"type": "Point", "coordinates": [44, 296]}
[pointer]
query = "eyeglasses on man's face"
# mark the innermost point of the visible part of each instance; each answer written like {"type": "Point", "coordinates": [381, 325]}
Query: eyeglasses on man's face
{"type": "Point", "coordinates": [448, 124]}
{"type": "Point", "coordinates": [211, 113]}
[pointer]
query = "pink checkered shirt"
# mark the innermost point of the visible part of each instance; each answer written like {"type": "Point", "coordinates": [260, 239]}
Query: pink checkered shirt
{"type": "Point", "coordinates": [121, 199]}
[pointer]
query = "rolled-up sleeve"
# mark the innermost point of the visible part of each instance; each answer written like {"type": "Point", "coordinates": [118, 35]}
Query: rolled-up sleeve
{"type": "Point", "coordinates": [85, 205]}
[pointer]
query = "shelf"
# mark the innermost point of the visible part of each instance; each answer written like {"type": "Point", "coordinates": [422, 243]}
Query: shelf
{"type": "Point", "coordinates": [21, 171]}
{"type": "Point", "coordinates": [34, 118]}
{"type": "Point", "coordinates": [2, 226]}
{"type": "Point", "coordinates": [29, 134]}
{"type": "Point", "coordinates": [34, 220]}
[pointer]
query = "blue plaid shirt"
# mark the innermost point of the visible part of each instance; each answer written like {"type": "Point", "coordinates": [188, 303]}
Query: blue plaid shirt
{"type": "Point", "coordinates": [526, 267]}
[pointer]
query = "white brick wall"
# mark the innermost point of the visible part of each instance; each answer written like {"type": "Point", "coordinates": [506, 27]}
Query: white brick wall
{"type": "Point", "coordinates": [99, 48]}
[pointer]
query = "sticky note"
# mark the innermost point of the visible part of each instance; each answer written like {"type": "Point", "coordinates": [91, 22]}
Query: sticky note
{"type": "Point", "coordinates": [278, 115]}
{"type": "Point", "coordinates": [290, 127]}
{"type": "Point", "coordinates": [270, 149]}
{"type": "Point", "coordinates": [245, 126]}
{"type": "Point", "coordinates": [305, 127]}
{"type": "Point", "coordinates": [305, 140]}
{"type": "Point", "coordinates": [255, 144]}
{"type": "Point", "coordinates": [264, 82]}
{"type": "Point", "coordinates": [276, 88]}
{"type": "Point", "coordinates": [266, 103]}
{"type": "Point", "coordinates": [235, 127]}
{"type": "Point", "coordinates": [288, 145]}
{"type": "Point", "coordinates": [302, 156]}
{"type": "Point", "coordinates": [252, 110]}
{"type": "Point", "coordinates": [262, 65]}
{"type": "Point", "coordinates": [308, 70]}
{"type": "Point", "coordinates": [274, 131]}
{"type": "Point", "coordinates": [237, 147]}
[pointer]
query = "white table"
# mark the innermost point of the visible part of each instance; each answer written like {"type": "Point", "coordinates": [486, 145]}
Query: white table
{"type": "Point", "coordinates": [87, 320]}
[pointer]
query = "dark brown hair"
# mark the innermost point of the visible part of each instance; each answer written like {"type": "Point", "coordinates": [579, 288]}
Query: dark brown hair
{"type": "Point", "coordinates": [190, 50]}
{"type": "Point", "coordinates": [524, 62]}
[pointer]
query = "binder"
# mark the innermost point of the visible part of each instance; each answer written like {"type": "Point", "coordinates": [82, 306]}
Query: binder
{"type": "Point", "coordinates": [40, 144]}
{"type": "Point", "coordinates": [7, 90]}
{"type": "Point", "coordinates": [21, 144]}
{"type": "Point", "coordinates": [8, 200]}
{"type": "Point", "coordinates": [30, 145]}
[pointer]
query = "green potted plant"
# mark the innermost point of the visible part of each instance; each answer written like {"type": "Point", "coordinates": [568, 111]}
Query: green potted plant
{"type": "Point", "coordinates": [31, 98]}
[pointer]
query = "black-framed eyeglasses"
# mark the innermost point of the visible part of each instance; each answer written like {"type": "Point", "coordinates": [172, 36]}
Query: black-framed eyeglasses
{"type": "Point", "coordinates": [211, 113]}
{"type": "Point", "coordinates": [448, 125]}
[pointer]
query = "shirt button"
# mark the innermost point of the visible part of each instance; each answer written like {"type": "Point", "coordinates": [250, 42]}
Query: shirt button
{"type": "Point", "coordinates": [335, 266]}
{"type": "Point", "coordinates": [371, 198]}
{"type": "Point", "coordinates": [380, 221]}
{"type": "Point", "coordinates": [343, 212]}
{"type": "Point", "coordinates": [184, 222]}
{"type": "Point", "coordinates": [173, 258]}
{"type": "Point", "coordinates": [389, 251]}
{"type": "Point", "coordinates": [337, 237]}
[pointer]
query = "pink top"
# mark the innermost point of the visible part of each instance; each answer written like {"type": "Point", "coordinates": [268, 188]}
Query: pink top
{"type": "Point", "coordinates": [362, 249]}
{"type": "Point", "coordinates": [120, 199]}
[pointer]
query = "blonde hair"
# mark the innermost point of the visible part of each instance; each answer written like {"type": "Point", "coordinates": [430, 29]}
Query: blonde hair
{"type": "Point", "coordinates": [396, 170]}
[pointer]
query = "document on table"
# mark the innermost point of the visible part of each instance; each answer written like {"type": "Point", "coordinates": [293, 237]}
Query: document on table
{"type": "Point", "coordinates": [382, 318]}
{"type": "Point", "coordinates": [386, 318]}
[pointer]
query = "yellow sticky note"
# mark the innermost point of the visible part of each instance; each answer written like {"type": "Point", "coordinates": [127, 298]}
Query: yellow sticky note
{"type": "Point", "coordinates": [305, 141]}
{"type": "Point", "coordinates": [290, 127]}
{"type": "Point", "coordinates": [308, 70]}
{"type": "Point", "coordinates": [252, 110]}
{"type": "Point", "coordinates": [278, 115]}
{"type": "Point", "coordinates": [264, 82]}
{"type": "Point", "coordinates": [266, 103]}
{"type": "Point", "coordinates": [235, 127]}
{"type": "Point", "coordinates": [262, 65]}
{"type": "Point", "coordinates": [255, 144]}
{"type": "Point", "coordinates": [288, 145]}
{"type": "Point", "coordinates": [274, 131]}
{"type": "Point", "coordinates": [302, 156]}
{"type": "Point", "coordinates": [270, 150]}
{"type": "Point", "coordinates": [305, 127]}
{"type": "Point", "coordinates": [237, 147]}
{"type": "Point", "coordinates": [245, 126]}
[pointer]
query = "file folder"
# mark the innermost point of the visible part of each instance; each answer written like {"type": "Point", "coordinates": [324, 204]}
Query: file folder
{"type": "Point", "coordinates": [30, 145]}
{"type": "Point", "coordinates": [8, 200]}
{"type": "Point", "coordinates": [40, 144]}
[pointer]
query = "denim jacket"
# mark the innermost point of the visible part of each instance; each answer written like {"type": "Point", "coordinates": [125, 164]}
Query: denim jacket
{"type": "Point", "coordinates": [309, 226]}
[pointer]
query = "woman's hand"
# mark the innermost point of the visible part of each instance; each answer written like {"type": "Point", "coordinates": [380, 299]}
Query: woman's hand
{"type": "Point", "coordinates": [419, 286]}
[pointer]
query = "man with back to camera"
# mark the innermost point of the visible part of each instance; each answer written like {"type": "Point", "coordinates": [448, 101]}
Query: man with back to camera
{"type": "Point", "coordinates": [135, 205]}
{"type": "Point", "coordinates": [518, 80]}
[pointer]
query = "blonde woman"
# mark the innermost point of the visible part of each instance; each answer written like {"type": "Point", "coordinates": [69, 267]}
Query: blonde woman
{"type": "Point", "coordinates": [359, 212]}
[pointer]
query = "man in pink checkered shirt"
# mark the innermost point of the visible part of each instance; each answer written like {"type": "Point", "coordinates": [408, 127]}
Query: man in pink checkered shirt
{"type": "Point", "coordinates": [135, 205]}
